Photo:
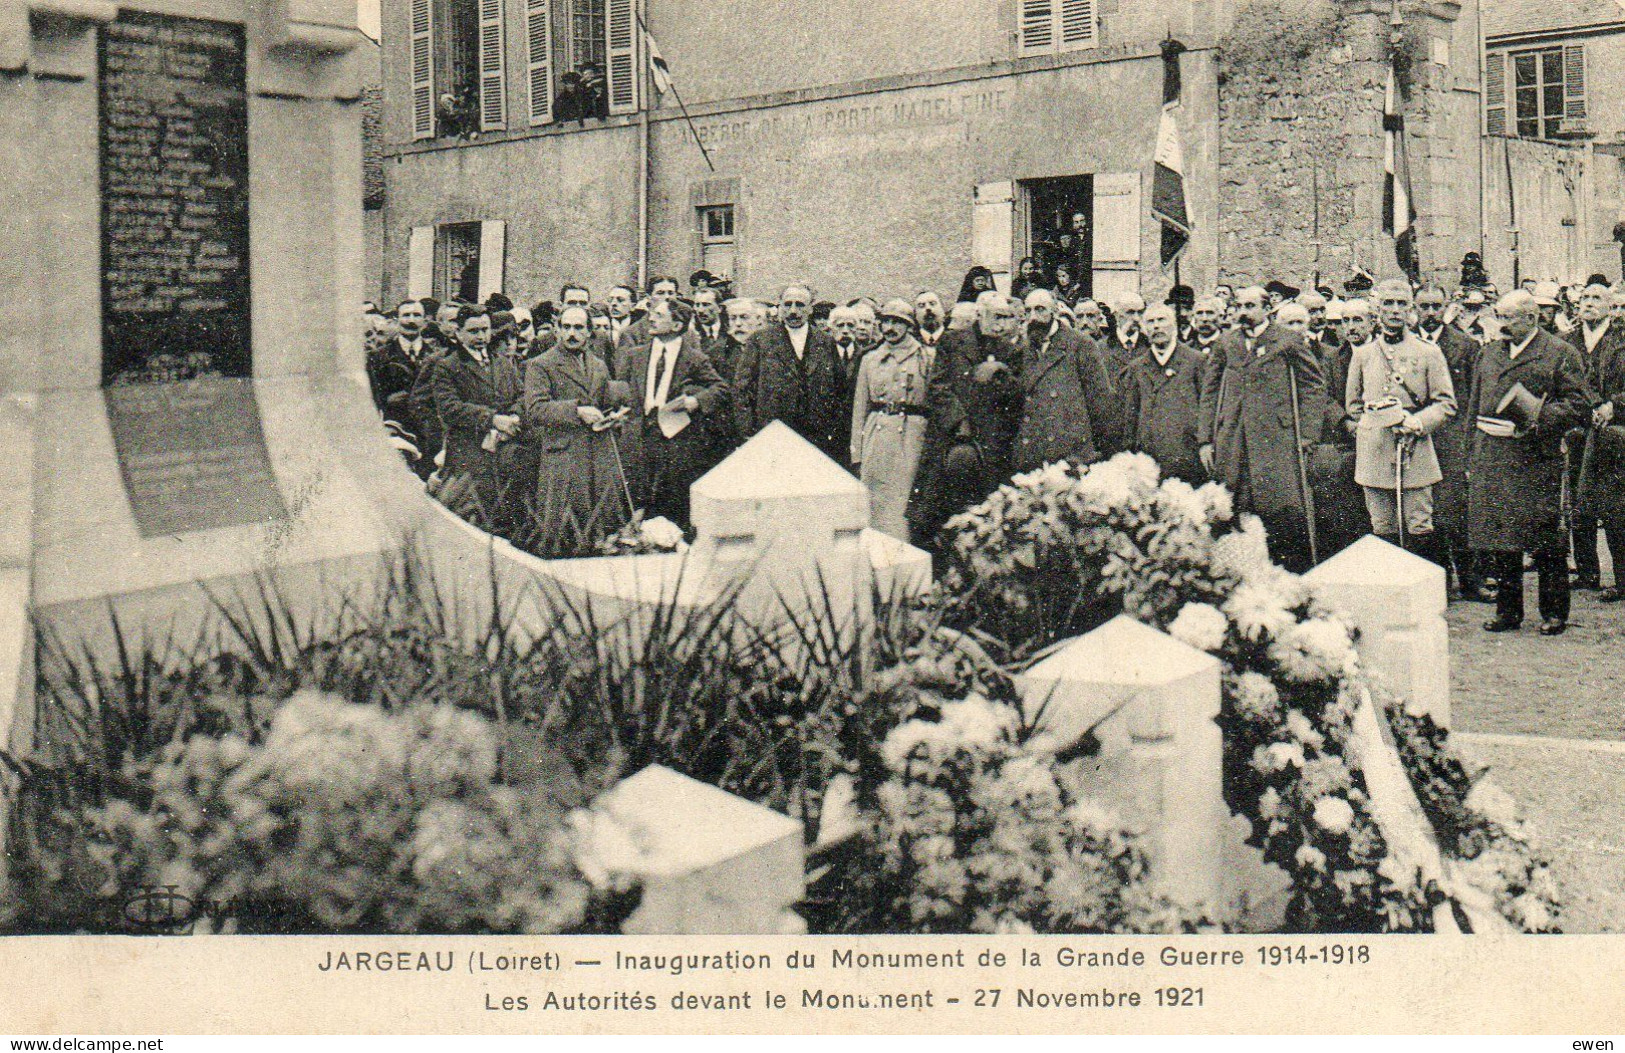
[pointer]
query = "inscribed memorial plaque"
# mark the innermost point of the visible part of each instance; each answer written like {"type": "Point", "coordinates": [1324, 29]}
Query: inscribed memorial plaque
{"type": "Point", "coordinates": [174, 181]}
{"type": "Point", "coordinates": [193, 455]}
{"type": "Point", "coordinates": [176, 337]}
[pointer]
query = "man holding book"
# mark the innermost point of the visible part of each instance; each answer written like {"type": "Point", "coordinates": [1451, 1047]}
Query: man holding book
{"type": "Point", "coordinates": [1529, 389]}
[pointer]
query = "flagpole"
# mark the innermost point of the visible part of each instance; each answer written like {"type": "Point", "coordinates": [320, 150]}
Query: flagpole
{"type": "Point", "coordinates": [643, 156]}
{"type": "Point", "coordinates": [678, 96]}
{"type": "Point", "coordinates": [692, 130]}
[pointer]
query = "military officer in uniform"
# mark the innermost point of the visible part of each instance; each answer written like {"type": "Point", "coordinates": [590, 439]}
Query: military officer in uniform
{"type": "Point", "coordinates": [1399, 393]}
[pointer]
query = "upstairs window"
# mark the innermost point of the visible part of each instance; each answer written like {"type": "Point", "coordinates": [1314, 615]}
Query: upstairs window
{"type": "Point", "coordinates": [1044, 27]}
{"type": "Point", "coordinates": [457, 68]}
{"type": "Point", "coordinates": [1539, 93]}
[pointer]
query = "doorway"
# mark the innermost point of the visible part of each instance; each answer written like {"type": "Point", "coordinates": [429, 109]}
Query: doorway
{"type": "Point", "coordinates": [1060, 228]}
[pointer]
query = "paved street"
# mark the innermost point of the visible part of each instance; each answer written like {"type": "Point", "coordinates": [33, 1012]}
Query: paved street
{"type": "Point", "coordinates": [1548, 716]}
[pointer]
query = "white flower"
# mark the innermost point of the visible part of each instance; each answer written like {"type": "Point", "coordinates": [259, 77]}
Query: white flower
{"type": "Point", "coordinates": [1024, 778]}
{"type": "Point", "coordinates": [1201, 625]}
{"type": "Point", "coordinates": [977, 723]}
{"type": "Point", "coordinates": [1316, 649]}
{"type": "Point", "coordinates": [1334, 815]}
{"type": "Point", "coordinates": [1310, 857]}
{"type": "Point", "coordinates": [662, 533]}
{"type": "Point", "coordinates": [1218, 501]}
{"type": "Point", "coordinates": [1299, 727]}
{"type": "Point", "coordinates": [1242, 553]}
{"type": "Point", "coordinates": [1396, 873]}
{"type": "Point", "coordinates": [1256, 697]}
{"type": "Point", "coordinates": [1102, 490]}
{"type": "Point", "coordinates": [1533, 912]}
{"type": "Point", "coordinates": [1053, 476]}
{"type": "Point", "coordinates": [1258, 612]}
{"type": "Point", "coordinates": [1280, 755]}
{"type": "Point", "coordinates": [1183, 503]}
{"type": "Point", "coordinates": [1291, 588]}
{"type": "Point", "coordinates": [1269, 803]}
{"type": "Point", "coordinates": [1089, 815]}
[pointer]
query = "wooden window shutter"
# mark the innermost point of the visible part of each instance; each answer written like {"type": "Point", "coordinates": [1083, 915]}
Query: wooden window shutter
{"type": "Point", "coordinates": [1496, 119]}
{"type": "Point", "coordinates": [1117, 234]}
{"type": "Point", "coordinates": [1078, 27]}
{"type": "Point", "coordinates": [1035, 29]}
{"type": "Point", "coordinates": [1574, 88]}
{"type": "Point", "coordinates": [422, 63]}
{"type": "Point", "coordinates": [493, 96]}
{"type": "Point", "coordinates": [493, 257]}
{"type": "Point", "coordinates": [624, 75]}
{"type": "Point", "coordinates": [993, 230]}
{"type": "Point", "coordinates": [539, 59]}
{"type": "Point", "coordinates": [420, 263]}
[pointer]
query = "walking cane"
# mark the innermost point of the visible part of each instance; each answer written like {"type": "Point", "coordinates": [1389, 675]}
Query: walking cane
{"type": "Point", "coordinates": [1303, 468]}
{"type": "Point", "coordinates": [620, 470]}
{"type": "Point", "coordinates": [1565, 497]}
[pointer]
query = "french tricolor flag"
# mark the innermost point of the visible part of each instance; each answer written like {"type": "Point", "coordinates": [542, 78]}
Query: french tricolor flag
{"type": "Point", "coordinates": [1398, 207]}
{"type": "Point", "coordinates": [1168, 177]}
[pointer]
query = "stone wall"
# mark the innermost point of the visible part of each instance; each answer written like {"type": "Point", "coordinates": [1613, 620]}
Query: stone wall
{"type": "Point", "coordinates": [1564, 199]}
{"type": "Point", "coordinates": [1301, 88]}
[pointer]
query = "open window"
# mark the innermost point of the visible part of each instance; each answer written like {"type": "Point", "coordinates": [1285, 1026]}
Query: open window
{"type": "Point", "coordinates": [716, 226]}
{"type": "Point", "coordinates": [457, 261]}
{"type": "Point", "coordinates": [457, 68]}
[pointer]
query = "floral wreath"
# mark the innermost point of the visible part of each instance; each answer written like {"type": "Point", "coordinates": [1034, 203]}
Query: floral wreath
{"type": "Point", "coordinates": [1060, 550]}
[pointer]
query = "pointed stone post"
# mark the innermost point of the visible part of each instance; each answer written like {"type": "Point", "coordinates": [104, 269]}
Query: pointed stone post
{"type": "Point", "coordinates": [784, 524]}
{"type": "Point", "coordinates": [1153, 704]}
{"type": "Point", "coordinates": [710, 863]}
{"type": "Point", "coordinates": [1397, 601]}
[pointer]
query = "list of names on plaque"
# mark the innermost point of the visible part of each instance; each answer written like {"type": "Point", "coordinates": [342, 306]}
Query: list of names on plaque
{"type": "Point", "coordinates": [174, 181]}
{"type": "Point", "coordinates": [176, 358]}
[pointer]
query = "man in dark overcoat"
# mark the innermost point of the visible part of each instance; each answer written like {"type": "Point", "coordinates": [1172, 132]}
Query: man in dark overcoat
{"type": "Point", "coordinates": [476, 395]}
{"type": "Point", "coordinates": [1597, 338]}
{"type": "Point", "coordinates": [1263, 403]}
{"type": "Point", "coordinates": [1162, 399]}
{"type": "Point", "coordinates": [1125, 340]}
{"type": "Point", "coordinates": [786, 371]}
{"type": "Point", "coordinates": [393, 369]}
{"type": "Point", "coordinates": [1070, 410]}
{"type": "Point", "coordinates": [1341, 517]}
{"type": "Point", "coordinates": [1604, 488]}
{"type": "Point", "coordinates": [1452, 442]}
{"type": "Point", "coordinates": [581, 495]}
{"type": "Point", "coordinates": [975, 401]}
{"type": "Point", "coordinates": [1514, 499]}
{"type": "Point", "coordinates": [670, 371]}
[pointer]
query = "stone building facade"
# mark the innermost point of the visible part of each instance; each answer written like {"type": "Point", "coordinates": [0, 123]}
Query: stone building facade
{"type": "Point", "coordinates": [867, 153]}
{"type": "Point", "coordinates": [1554, 151]}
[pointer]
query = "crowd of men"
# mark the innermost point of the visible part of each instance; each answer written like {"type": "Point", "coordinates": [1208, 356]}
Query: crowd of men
{"type": "Point", "coordinates": [1475, 430]}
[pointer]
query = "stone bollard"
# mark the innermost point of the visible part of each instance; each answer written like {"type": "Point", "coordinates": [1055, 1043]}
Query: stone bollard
{"type": "Point", "coordinates": [784, 524]}
{"type": "Point", "coordinates": [710, 863]}
{"type": "Point", "coordinates": [1153, 703]}
{"type": "Point", "coordinates": [789, 528]}
{"type": "Point", "coordinates": [1397, 601]}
